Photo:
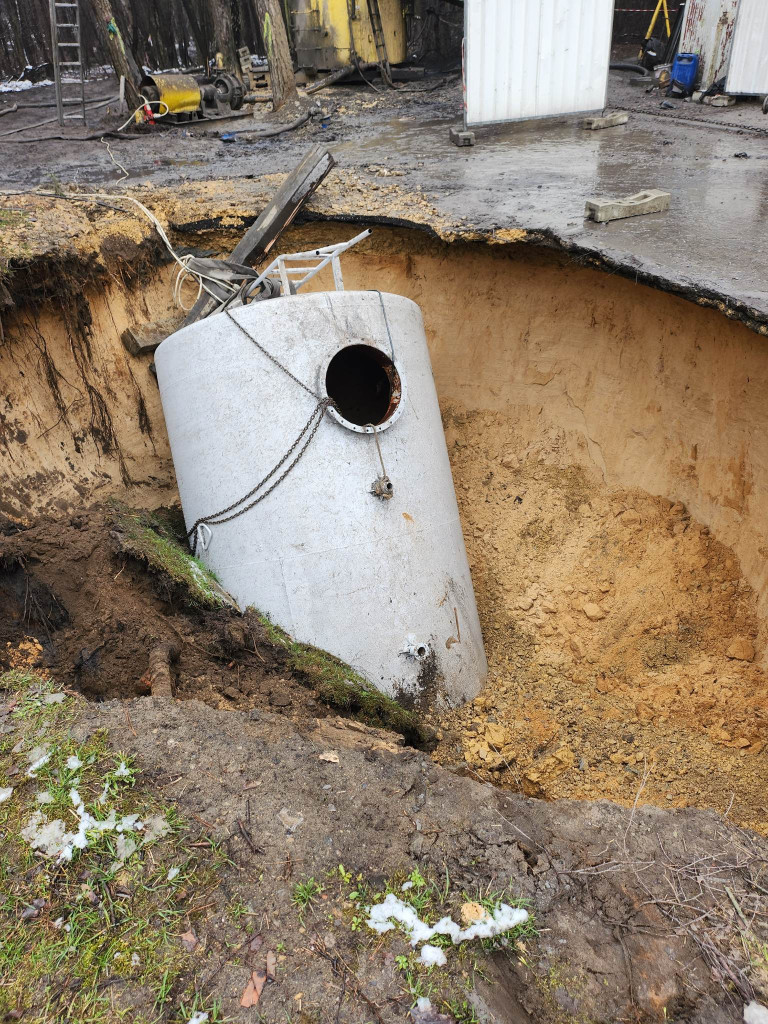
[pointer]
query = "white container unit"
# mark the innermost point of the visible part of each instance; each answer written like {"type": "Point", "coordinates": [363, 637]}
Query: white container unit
{"type": "Point", "coordinates": [381, 582]}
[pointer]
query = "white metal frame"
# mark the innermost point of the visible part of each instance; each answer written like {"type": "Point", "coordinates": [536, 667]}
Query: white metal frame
{"type": "Point", "coordinates": [294, 277]}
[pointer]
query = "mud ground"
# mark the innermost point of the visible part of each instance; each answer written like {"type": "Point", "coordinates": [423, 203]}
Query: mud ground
{"type": "Point", "coordinates": [532, 178]}
{"type": "Point", "coordinates": [616, 893]}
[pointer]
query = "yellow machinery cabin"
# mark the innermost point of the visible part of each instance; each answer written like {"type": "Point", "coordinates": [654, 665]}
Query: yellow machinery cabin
{"type": "Point", "coordinates": [328, 34]}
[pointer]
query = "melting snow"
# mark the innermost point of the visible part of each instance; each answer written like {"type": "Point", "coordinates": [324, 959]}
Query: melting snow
{"type": "Point", "coordinates": [5, 794]}
{"type": "Point", "coordinates": [122, 772]}
{"type": "Point", "coordinates": [37, 758]}
{"type": "Point", "coordinates": [22, 86]}
{"type": "Point", "coordinates": [198, 1018]}
{"type": "Point", "coordinates": [44, 797]}
{"type": "Point", "coordinates": [382, 918]}
{"type": "Point", "coordinates": [173, 873]}
{"type": "Point", "coordinates": [432, 956]}
{"type": "Point", "coordinates": [54, 698]}
{"type": "Point", "coordinates": [73, 763]}
{"type": "Point", "coordinates": [53, 839]}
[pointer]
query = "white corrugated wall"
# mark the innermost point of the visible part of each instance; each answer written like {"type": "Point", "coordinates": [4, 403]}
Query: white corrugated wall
{"type": "Point", "coordinates": [535, 58]}
{"type": "Point", "coordinates": [708, 31]}
{"type": "Point", "coordinates": [748, 70]}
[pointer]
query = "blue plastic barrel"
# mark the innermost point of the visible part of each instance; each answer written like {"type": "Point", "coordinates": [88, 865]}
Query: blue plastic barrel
{"type": "Point", "coordinates": [685, 67]}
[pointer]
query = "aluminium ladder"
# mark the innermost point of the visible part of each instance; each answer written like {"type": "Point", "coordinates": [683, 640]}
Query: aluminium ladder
{"type": "Point", "coordinates": [67, 53]}
{"type": "Point", "coordinates": [374, 15]}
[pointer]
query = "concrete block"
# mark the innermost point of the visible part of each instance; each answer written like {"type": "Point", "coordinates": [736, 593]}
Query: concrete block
{"type": "Point", "coordinates": [603, 209]}
{"type": "Point", "coordinates": [609, 121]}
{"type": "Point", "coordinates": [720, 100]}
{"type": "Point", "coordinates": [461, 138]}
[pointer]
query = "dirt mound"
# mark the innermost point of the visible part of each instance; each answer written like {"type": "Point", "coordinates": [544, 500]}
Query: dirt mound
{"type": "Point", "coordinates": [89, 595]}
{"type": "Point", "coordinates": [623, 641]}
{"type": "Point", "coordinates": [283, 835]}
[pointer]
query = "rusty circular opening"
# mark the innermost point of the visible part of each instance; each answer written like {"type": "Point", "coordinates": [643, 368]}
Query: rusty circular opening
{"type": "Point", "coordinates": [364, 384]}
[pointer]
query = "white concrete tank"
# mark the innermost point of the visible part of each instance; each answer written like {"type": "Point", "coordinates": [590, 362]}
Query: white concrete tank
{"type": "Point", "coordinates": [381, 582]}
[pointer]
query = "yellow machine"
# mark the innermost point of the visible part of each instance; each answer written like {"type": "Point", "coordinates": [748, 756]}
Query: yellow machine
{"type": "Point", "coordinates": [185, 98]}
{"type": "Point", "coordinates": [329, 34]}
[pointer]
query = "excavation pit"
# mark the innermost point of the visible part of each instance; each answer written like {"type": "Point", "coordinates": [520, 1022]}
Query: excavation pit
{"type": "Point", "coordinates": [610, 455]}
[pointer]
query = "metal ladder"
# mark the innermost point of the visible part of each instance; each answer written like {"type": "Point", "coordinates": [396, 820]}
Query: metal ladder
{"type": "Point", "coordinates": [65, 44]}
{"type": "Point", "coordinates": [378, 37]}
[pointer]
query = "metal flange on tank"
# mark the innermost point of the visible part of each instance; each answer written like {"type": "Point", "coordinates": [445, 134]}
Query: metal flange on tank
{"type": "Point", "coordinates": [351, 539]}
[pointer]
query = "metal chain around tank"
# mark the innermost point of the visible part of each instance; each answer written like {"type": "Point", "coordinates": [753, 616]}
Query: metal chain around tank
{"type": "Point", "coordinates": [311, 426]}
{"type": "Point", "coordinates": [216, 519]}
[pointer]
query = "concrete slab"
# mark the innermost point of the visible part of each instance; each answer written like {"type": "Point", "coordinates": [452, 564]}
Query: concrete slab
{"type": "Point", "coordinates": [613, 120]}
{"type": "Point", "coordinates": [524, 181]}
{"type": "Point", "coordinates": [650, 200]}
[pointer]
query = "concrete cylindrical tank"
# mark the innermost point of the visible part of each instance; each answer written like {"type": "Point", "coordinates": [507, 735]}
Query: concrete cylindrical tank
{"type": "Point", "coordinates": [379, 581]}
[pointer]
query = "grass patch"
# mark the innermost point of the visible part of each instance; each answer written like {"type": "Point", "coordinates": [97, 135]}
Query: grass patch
{"type": "Point", "coordinates": [348, 898]}
{"type": "Point", "coordinates": [156, 540]}
{"type": "Point", "coordinates": [90, 929]}
{"type": "Point", "coordinates": [339, 686]}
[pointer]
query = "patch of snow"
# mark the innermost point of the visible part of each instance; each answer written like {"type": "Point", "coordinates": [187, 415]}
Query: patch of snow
{"type": "Point", "coordinates": [130, 823]}
{"type": "Point", "coordinates": [405, 886]}
{"type": "Point", "coordinates": [11, 86]}
{"type": "Point", "coordinates": [382, 917]}
{"type": "Point", "coordinates": [423, 1004]}
{"type": "Point", "coordinates": [198, 1018]}
{"type": "Point", "coordinates": [135, 960]}
{"type": "Point", "coordinates": [50, 837]}
{"type": "Point", "coordinates": [58, 922]}
{"type": "Point", "coordinates": [37, 758]}
{"type": "Point", "coordinates": [54, 698]}
{"type": "Point", "coordinates": [755, 1013]}
{"type": "Point", "coordinates": [155, 827]}
{"type": "Point", "coordinates": [73, 763]}
{"type": "Point", "coordinates": [5, 793]}
{"type": "Point", "coordinates": [44, 797]}
{"type": "Point", "coordinates": [432, 956]}
{"type": "Point", "coordinates": [173, 873]}
{"type": "Point", "coordinates": [125, 846]}
{"type": "Point", "coordinates": [121, 772]}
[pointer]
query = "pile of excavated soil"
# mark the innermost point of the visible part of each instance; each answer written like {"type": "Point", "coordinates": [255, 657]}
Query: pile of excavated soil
{"type": "Point", "coordinates": [78, 601]}
{"type": "Point", "coordinates": [622, 640]}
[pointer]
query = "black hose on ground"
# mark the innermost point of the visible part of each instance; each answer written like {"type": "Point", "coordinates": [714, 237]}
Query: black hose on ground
{"type": "Point", "coordinates": [625, 65]}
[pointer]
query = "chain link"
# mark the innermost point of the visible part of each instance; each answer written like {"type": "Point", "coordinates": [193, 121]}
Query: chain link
{"type": "Point", "coordinates": [272, 359]}
{"type": "Point", "coordinates": [710, 123]}
{"type": "Point", "coordinates": [307, 434]}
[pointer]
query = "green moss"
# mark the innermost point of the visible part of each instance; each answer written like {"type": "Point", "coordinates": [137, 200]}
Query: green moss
{"type": "Point", "coordinates": [339, 686]}
{"type": "Point", "coordinates": [96, 938]}
{"type": "Point", "coordinates": [156, 539]}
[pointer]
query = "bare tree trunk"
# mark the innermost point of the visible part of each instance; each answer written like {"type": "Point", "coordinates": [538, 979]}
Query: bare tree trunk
{"type": "Point", "coordinates": [223, 32]}
{"type": "Point", "coordinates": [120, 56]}
{"type": "Point", "coordinates": [199, 34]}
{"type": "Point", "coordinates": [272, 26]}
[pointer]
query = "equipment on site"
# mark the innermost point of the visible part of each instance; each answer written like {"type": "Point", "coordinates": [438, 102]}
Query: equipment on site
{"type": "Point", "coordinates": [332, 34]}
{"type": "Point", "coordinates": [351, 539]}
{"type": "Point", "coordinates": [189, 99]}
{"type": "Point", "coordinates": [67, 53]}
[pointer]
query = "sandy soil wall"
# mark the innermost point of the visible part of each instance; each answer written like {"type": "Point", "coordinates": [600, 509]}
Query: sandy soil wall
{"type": "Point", "coordinates": [645, 389]}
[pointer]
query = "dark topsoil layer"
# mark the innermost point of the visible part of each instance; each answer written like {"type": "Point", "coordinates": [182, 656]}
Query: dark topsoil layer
{"type": "Point", "coordinates": [101, 588]}
{"type": "Point", "coordinates": [618, 895]}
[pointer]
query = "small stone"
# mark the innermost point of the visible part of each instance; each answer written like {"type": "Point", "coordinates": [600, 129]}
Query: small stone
{"type": "Point", "coordinates": [549, 607]}
{"type": "Point", "coordinates": [231, 693]}
{"type": "Point", "coordinates": [593, 611]}
{"type": "Point", "coordinates": [525, 604]}
{"type": "Point", "coordinates": [472, 912]}
{"type": "Point", "coordinates": [740, 649]}
{"type": "Point", "coordinates": [630, 517]}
